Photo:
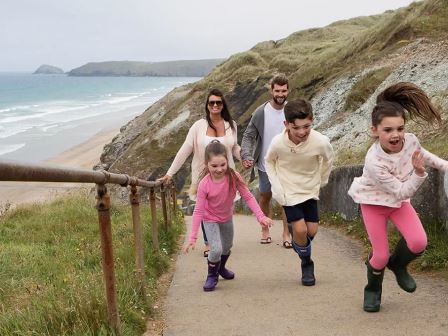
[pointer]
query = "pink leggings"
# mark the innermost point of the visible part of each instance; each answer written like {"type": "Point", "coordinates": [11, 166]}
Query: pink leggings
{"type": "Point", "coordinates": [406, 221]}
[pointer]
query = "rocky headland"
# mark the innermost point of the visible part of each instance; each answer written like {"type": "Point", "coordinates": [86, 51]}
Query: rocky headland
{"type": "Point", "coordinates": [186, 68]}
{"type": "Point", "coordinates": [46, 69]}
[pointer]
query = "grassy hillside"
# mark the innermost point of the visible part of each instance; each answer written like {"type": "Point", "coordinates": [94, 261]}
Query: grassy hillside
{"type": "Point", "coordinates": [363, 52]}
{"type": "Point", "coordinates": [51, 280]}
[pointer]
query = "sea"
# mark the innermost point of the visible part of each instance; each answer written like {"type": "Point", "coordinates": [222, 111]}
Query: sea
{"type": "Point", "coordinates": [43, 115]}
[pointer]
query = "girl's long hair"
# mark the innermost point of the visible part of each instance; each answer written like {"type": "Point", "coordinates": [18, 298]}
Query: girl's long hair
{"type": "Point", "coordinates": [215, 148]}
{"type": "Point", "coordinates": [225, 114]}
{"type": "Point", "coordinates": [405, 100]}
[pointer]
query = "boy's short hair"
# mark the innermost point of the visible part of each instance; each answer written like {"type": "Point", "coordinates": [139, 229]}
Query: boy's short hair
{"type": "Point", "coordinates": [279, 80]}
{"type": "Point", "coordinates": [298, 109]}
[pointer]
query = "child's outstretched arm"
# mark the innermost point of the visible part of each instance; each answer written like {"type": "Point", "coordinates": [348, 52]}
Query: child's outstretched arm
{"type": "Point", "coordinates": [434, 161]}
{"type": "Point", "coordinates": [197, 217]}
{"type": "Point", "coordinates": [252, 202]}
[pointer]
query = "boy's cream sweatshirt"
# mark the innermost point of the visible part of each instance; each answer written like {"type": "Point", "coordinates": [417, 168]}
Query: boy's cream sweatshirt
{"type": "Point", "coordinates": [297, 172]}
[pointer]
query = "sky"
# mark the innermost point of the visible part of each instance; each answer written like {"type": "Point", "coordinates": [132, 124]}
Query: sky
{"type": "Point", "coordinates": [70, 33]}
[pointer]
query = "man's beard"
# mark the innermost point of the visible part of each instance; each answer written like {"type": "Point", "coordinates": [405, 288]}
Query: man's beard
{"type": "Point", "coordinates": [279, 102]}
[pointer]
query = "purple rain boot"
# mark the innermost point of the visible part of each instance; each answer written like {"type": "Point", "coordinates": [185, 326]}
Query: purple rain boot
{"type": "Point", "coordinates": [212, 276]}
{"type": "Point", "coordinates": [223, 271]}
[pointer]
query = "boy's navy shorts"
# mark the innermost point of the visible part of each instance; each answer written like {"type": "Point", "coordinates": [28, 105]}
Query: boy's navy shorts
{"type": "Point", "coordinates": [307, 210]}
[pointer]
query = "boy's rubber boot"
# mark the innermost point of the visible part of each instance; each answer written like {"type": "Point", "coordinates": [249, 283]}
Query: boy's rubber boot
{"type": "Point", "coordinates": [212, 276]}
{"type": "Point", "coordinates": [223, 271]}
{"type": "Point", "coordinates": [398, 263]}
{"type": "Point", "coordinates": [307, 264]}
{"type": "Point", "coordinates": [308, 278]}
{"type": "Point", "coordinates": [373, 289]}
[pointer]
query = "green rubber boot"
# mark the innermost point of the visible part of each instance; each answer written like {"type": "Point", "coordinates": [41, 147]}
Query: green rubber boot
{"type": "Point", "coordinates": [373, 289]}
{"type": "Point", "coordinates": [398, 263]}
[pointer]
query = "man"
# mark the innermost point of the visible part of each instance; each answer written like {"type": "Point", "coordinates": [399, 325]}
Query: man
{"type": "Point", "coordinates": [267, 121]}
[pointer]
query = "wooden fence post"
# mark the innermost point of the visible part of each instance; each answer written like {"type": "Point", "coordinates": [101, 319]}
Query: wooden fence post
{"type": "Point", "coordinates": [174, 199]}
{"type": "Point", "coordinates": [164, 206]}
{"type": "Point", "coordinates": [103, 207]}
{"type": "Point", "coordinates": [138, 239]}
{"type": "Point", "coordinates": [155, 232]}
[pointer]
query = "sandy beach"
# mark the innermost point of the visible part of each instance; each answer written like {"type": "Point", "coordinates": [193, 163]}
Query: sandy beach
{"type": "Point", "coordinates": [84, 155]}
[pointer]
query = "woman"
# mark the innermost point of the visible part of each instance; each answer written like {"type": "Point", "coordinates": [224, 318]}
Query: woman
{"type": "Point", "coordinates": [217, 125]}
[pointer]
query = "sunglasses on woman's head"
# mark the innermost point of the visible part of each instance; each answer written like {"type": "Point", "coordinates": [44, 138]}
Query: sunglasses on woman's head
{"type": "Point", "coordinates": [213, 102]}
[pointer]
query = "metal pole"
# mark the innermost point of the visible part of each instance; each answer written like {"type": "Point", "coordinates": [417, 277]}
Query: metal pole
{"type": "Point", "coordinates": [138, 239]}
{"type": "Point", "coordinates": [155, 232]}
{"type": "Point", "coordinates": [103, 207]}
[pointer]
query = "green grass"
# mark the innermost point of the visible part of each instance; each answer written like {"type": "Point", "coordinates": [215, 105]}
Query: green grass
{"type": "Point", "coordinates": [435, 257]}
{"type": "Point", "coordinates": [51, 280]}
{"type": "Point", "coordinates": [365, 87]}
{"type": "Point", "coordinates": [352, 156]}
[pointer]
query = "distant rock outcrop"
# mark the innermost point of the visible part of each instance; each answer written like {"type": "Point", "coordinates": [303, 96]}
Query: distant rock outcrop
{"type": "Point", "coordinates": [46, 69]}
{"type": "Point", "coordinates": [192, 68]}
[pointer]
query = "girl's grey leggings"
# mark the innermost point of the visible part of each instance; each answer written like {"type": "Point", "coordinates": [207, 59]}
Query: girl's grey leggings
{"type": "Point", "coordinates": [220, 239]}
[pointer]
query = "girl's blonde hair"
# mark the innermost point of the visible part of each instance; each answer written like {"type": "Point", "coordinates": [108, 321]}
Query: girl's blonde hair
{"type": "Point", "coordinates": [216, 148]}
{"type": "Point", "coordinates": [404, 99]}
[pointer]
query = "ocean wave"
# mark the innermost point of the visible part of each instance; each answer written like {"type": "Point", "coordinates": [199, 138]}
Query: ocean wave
{"type": "Point", "coordinates": [17, 108]}
{"type": "Point", "coordinates": [47, 127]}
{"type": "Point", "coordinates": [4, 149]}
{"type": "Point", "coordinates": [8, 132]}
{"type": "Point", "coordinates": [39, 113]}
{"type": "Point", "coordinates": [29, 112]}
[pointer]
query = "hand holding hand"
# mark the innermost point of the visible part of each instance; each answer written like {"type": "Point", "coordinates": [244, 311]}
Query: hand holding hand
{"type": "Point", "coordinates": [418, 162]}
{"type": "Point", "coordinates": [187, 246]}
{"type": "Point", "coordinates": [266, 222]}
{"type": "Point", "coordinates": [247, 163]}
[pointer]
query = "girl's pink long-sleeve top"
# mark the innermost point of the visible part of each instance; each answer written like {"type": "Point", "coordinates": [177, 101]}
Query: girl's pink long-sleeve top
{"type": "Point", "coordinates": [214, 203]}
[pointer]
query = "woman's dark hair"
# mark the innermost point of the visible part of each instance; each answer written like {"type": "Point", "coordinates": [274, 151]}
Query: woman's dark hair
{"type": "Point", "coordinates": [225, 114]}
{"type": "Point", "coordinates": [216, 148]}
{"type": "Point", "coordinates": [404, 100]}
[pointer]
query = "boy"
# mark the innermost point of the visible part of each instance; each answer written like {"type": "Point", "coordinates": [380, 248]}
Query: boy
{"type": "Point", "coordinates": [298, 164]}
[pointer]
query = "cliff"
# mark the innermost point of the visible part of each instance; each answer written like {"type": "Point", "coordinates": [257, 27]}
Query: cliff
{"type": "Point", "coordinates": [341, 68]}
{"type": "Point", "coordinates": [191, 68]}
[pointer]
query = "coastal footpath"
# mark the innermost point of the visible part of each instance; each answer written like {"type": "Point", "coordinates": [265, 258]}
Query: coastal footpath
{"type": "Point", "coordinates": [267, 298]}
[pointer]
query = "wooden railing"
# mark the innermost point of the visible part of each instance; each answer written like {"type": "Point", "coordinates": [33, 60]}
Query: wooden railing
{"type": "Point", "coordinates": [24, 172]}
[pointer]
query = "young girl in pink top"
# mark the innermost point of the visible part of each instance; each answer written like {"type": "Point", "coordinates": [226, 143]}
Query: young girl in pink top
{"type": "Point", "coordinates": [214, 206]}
{"type": "Point", "coordinates": [393, 171]}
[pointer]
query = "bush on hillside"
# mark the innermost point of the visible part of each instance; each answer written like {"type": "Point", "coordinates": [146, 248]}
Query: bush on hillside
{"type": "Point", "coordinates": [365, 87]}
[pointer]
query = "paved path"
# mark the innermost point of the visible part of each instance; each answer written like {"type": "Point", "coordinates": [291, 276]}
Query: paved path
{"type": "Point", "coordinates": [266, 297]}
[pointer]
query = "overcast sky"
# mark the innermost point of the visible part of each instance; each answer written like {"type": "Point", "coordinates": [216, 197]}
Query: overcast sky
{"type": "Point", "coordinates": [70, 33]}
